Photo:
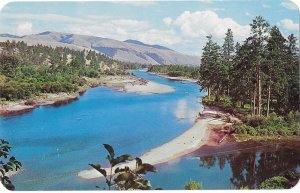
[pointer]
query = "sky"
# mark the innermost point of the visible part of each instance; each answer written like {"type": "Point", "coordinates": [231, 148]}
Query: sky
{"type": "Point", "coordinates": [179, 25]}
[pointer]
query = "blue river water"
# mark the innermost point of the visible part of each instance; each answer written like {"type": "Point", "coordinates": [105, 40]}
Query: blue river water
{"type": "Point", "coordinates": [55, 143]}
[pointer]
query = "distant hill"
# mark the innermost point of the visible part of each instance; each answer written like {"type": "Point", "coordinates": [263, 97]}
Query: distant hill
{"type": "Point", "coordinates": [142, 44]}
{"type": "Point", "coordinates": [9, 36]}
{"type": "Point", "coordinates": [127, 51]}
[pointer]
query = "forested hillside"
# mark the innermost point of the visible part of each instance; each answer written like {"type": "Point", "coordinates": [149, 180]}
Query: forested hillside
{"type": "Point", "coordinates": [30, 70]}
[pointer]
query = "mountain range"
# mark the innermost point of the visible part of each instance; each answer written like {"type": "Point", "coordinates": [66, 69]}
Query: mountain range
{"type": "Point", "coordinates": [127, 51]}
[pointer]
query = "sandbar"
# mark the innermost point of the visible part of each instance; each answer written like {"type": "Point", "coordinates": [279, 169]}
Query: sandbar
{"type": "Point", "coordinates": [187, 142]}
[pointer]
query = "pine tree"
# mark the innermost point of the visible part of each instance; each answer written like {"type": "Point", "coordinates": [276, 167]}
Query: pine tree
{"type": "Point", "coordinates": [209, 61]}
{"type": "Point", "coordinates": [292, 68]}
{"type": "Point", "coordinates": [275, 66]}
{"type": "Point", "coordinates": [259, 34]}
{"type": "Point", "coordinates": [228, 55]}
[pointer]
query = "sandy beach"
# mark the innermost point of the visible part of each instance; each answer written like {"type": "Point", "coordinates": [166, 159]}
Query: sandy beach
{"type": "Point", "coordinates": [189, 141]}
{"type": "Point", "coordinates": [179, 78]}
{"type": "Point", "coordinates": [148, 88]}
{"type": "Point", "coordinates": [11, 108]}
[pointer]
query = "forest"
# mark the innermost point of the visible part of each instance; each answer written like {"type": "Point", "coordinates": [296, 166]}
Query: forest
{"type": "Point", "coordinates": [258, 78]}
{"type": "Point", "coordinates": [176, 70]}
{"type": "Point", "coordinates": [27, 71]}
{"type": "Point", "coordinates": [262, 72]}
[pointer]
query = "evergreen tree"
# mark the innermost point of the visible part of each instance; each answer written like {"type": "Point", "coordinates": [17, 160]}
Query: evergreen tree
{"type": "Point", "coordinates": [259, 35]}
{"type": "Point", "coordinates": [209, 62]}
{"type": "Point", "coordinates": [228, 55]}
{"type": "Point", "coordinates": [275, 67]}
{"type": "Point", "coordinates": [292, 69]}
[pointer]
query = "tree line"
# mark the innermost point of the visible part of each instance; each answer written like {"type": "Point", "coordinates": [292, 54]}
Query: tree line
{"type": "Point", "coordinates": [176, 70]}
{"type": "Point", "coordinates": [262, 72]}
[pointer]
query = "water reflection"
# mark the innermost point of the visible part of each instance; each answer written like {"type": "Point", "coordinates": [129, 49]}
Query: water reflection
{"type": "Point", "coordinates": [185, 111]}
{"type": "Point", "coordinates": [251, 166]}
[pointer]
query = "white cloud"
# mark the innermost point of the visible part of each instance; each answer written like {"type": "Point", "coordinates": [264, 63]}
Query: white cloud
{"type": "Point", "coordinates": [24, 28]}
{"type": "Point", "coordinates": [168, 21]}
{"type": "Point", "coordinates": [202, 23]}
{"type": "Point", "coordinates": [183, 112]}
{"type": "Point", "coordinates": [127, 29]}
{"type": "Point", "coordinates": [247, 13]}
{"type": "Point", "coordinates": [288, 24]}
{"type": "Point", "coordinates": [289, 5]}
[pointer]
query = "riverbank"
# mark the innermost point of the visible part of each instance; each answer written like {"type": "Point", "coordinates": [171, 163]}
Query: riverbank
{"type": "Point", "coordinates": [149, 87]}
{"type": "Point", "coordinates": [191, 140]}
{"type": "Point", "coordinates": [247, 132]}
{"type": "Point", "coordinates": [178, 78]}
{"type": "Point", "coordinates": [124, 83]}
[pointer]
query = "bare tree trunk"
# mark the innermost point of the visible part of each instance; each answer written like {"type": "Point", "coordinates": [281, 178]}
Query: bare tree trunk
{"type": "Point", "coordinates": [269, 98]}
{"type": "Point", "coordinates": [254, 101]}
{"type": "Point", "coordinates": [251, 102]}
{"type": "Point", "coordinates": [208, 92]}
{"type": "Point", "coordinates": [258, 89]}
{"type": "Point", "coordinates": [228, 85]}
{"type": "Point", "coordinates": [217, 99]}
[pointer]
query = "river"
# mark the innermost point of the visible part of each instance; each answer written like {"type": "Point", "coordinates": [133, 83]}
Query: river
{"type": "Point", "coordinates": [55, 143]}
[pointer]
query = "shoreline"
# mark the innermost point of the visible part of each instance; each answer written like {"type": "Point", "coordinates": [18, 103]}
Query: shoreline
{"type": "Point", "coordinates": [123, 83]}
{"type": "Point", "coordinates": [189, 141]}
{"type": "Point", "coordinates": [175, 78]}
{"type": "Point", "coordinates": [149, 87]}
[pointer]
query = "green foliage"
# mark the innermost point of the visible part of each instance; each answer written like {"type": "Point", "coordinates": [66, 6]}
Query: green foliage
{"type": "Point", "coordinates": [276, 182]}
{"type": "Point", "coordinates": [254, 121]}
{"type": "Point", "coordinates": [176, 70]}
{"type": "Point", "coordinates": [26, 71]}
{"type": "Point", "coordinates": [124, 178]}
{"type": "Point", "coordinates": [273, 125]}
{"type": "Point", "coordinates": [7, 164]}
{"type": "Point", "coordinates": [193, 185]}
{"type": "Point", "coordinates": [262, 72]}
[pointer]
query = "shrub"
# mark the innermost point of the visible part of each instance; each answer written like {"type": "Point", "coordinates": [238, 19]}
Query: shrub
{"type": "Point", "coordinates": [276, 182]}
{"type": "Point", "coordinates": [293, 117]}
{"type": "Point", "coordinates": [254, 121]}
{"type": "Point", "coordinates": [193, 185]}
{"type": "Point", "coordinates": [226, 101]}
{"type": "Point", "coordinates": [175, 73]}
{"type": "Point", "coordinates": [275, 120]}
{"type": "Point", "coordinates": [252, 131]}
{"type": "Point", "coordinates": [241, 128]}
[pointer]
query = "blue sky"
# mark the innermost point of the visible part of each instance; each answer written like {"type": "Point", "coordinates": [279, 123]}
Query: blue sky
{"type": "Point", "coordinates": [180, 25]}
